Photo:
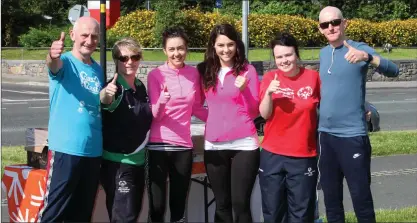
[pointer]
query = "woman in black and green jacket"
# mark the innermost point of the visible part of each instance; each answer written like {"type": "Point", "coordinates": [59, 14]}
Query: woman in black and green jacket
{"type": "Point", "coordinates": [126, 122]}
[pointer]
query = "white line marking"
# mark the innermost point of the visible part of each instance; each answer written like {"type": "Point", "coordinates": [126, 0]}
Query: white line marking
{"type": "Point", "coordinates": [395, 102]}
{"type": "Point", "coordinates": [40, 107]}
{"type": "Point", "coordinates": [408, 111]}
{"type": "Point", "coordinates": [21, 100]}
{"type": "Point", "coordinates": [25, 92]}
{"type": "Point", "coordinates": [14, 103]}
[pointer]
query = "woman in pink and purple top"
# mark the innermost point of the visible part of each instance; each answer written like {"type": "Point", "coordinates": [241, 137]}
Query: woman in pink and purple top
{"type": "Point", "coordinates": [231, 142]}
{"type": "Point", "coordinates": [175, 94]}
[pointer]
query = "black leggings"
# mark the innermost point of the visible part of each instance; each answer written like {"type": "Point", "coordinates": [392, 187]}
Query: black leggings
{"type": "Point", "coordinates": [177, 165]}
{"type": "Point", "coordinates": [232, 174]}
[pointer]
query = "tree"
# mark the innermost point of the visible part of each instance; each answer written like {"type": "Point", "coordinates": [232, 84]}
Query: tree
{"type": "Point", "coordinates": [168, 14]}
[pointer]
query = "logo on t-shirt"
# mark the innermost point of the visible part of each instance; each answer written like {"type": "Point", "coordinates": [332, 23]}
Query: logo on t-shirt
{"type": "Point", "coordinates": [286, 92]}
{"type": "Point", "coordinates": [92, 84]}
{"type": "Point", "coordinates": [305, 92]}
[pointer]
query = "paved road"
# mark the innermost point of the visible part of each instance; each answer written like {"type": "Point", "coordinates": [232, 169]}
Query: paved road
{"type": "Point", "coordinates": [26, 106]}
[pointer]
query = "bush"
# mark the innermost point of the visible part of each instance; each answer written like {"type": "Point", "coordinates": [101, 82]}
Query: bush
{"type": "Point", "coordinates": [43, 37]}
{"type": "Point", "coordinates": [398, 32]}
{"type": "Point", "coordinates": [262, 28]}
{"type": "Point", "coordinates": [363, 31]}
{"type": "Point", "coordinates": [138, 25]}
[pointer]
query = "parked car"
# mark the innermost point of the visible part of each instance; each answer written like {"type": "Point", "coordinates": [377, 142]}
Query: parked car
{"type": "Point", "coordinates": [372, 119]}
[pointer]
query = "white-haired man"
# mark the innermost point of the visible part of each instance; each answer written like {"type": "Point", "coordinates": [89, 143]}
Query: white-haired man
{"type": "Point", "coordinates": [75, 129]}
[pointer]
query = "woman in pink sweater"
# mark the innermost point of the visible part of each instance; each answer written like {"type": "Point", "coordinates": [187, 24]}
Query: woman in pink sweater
{"type": "Point", "coordinates": [175, 94]}
{"type": "Point", "coordinates": [231, 154]}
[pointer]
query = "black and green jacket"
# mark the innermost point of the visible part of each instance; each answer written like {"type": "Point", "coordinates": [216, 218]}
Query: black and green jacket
{"type": "Point", "coordinates": [126, 121]}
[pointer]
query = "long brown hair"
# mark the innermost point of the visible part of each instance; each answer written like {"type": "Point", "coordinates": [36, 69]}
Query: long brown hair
{"type": "Point", "coordinates": [211, 64]}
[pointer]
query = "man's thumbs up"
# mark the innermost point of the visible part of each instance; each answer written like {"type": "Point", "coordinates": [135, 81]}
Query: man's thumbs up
{"type": "Point", "coordinates": [57, 47]}
{"type": "Point", "coordinates": [62, 38]}
{"type": "Point", "coordinates": [354, 55]}
{"type": "Point", "coordinates": [347, 44]}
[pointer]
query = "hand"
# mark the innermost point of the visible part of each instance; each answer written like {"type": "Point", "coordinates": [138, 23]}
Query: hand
{"type": "Point", "coordinates": [354, 55]}
{"type": "Point", "coordinates": [57, 47]}
{"type": "Point", "coordinates": [273, 86]}
{"type": "Point", "coordinates": [241, 82]}
{"type": "Point", "coordinates": [111, 88]}
{"type": "Point", "coordinates": [164, 96]}
{"type": "Point", "coordinates": [368, 116]}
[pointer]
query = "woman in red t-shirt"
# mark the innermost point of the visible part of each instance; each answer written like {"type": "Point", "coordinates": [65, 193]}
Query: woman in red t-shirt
{"type": "Point", "coordinates": [288, 167]}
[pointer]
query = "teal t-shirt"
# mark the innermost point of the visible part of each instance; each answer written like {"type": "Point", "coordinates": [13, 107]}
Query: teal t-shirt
{"type": "Point", "coordinates": [75, 118]}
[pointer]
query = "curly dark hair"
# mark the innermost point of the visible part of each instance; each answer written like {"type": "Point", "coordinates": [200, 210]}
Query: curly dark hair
{"type": "Point", "coordinates": [211, 64]}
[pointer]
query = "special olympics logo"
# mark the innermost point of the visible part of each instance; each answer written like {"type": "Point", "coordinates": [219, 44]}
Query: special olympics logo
{"type": "Point", "coordinates": [305, 92]}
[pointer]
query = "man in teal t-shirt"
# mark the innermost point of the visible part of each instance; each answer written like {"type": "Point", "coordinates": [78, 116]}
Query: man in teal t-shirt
{"type": "Point", "coordinates": [344, 147]}
{"type": "Point", "coordinates": [74, 131]}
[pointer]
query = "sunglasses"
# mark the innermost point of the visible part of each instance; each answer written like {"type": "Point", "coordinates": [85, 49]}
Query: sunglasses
{"type": "Point", "coordinates": [334, 22]}
{"type": "Point", "coordinates": [135, 58]}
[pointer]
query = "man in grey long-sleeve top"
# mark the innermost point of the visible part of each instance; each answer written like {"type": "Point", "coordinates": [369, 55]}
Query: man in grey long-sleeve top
{"type": "Point", "coordinates": [345, 150]}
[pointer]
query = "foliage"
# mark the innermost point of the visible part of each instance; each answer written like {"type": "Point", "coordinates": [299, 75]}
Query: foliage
{"type": "Point", "coordinates": [398, 32]}
{"type": "Point", "coordinates": [262, 28]}
{"type": "Point", "coordinates": [167, 14]}
{"type": "Point", "coordinates": [43, 37]}
{"type": "Point", "coordinates": [138, 25]}
{"type": "Point", "coordinates": [23, 14]}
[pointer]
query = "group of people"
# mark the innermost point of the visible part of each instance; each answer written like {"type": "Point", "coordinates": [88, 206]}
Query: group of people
{"type": "Point", "coordinates": [126, 136]}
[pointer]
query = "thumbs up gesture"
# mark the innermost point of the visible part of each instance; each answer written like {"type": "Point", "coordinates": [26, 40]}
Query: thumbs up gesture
{"type": "Point", "coordinates": [273, 86]}
{"type": "Point", "coordinates": [111, 88]}
{"type": "Point", "coordinates": [241, 82]}
{"type": "Point", "coordinates": [164, 96]}
{"type": "Point", "coordinates": [354, 55]}
{"type": "Point", "coordinates": [57, 47]}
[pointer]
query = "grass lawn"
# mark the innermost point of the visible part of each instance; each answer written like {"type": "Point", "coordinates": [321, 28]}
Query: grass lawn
{"type": "Point", "coordinates": [384, 143]}
{"type": "Point", "coordinates": [408, 214]}
{"type": "Point", "coordinates": [193, 55]}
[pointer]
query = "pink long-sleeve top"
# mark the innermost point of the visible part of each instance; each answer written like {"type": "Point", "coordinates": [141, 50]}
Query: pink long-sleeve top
{"type": "Point", "coordinates": [231, 111]}
{"type": "Point", "coordinates": [172, 120]}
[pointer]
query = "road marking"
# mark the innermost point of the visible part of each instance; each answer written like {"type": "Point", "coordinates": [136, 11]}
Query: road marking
{"type": "Point", "coordinates": [407, 101]}
{"type": "Point", "coordinates": [13, 129]}
{"type": "Point", "coordinates": [407, 111]}
{"type": "Point", "coordinates": [22, 100]}
{"type": "Point", "coordinates": [25, 92]}
{"type": "Point", "coordinates": [40, 107]}
{"type": "Point", "coordinates": [395, 172]}
{"type": "Point", "coordinates": [14, 103]}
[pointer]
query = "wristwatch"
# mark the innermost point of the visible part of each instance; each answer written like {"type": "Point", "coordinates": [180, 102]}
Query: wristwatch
{"type": "Point", "coordinates": [370, 58]}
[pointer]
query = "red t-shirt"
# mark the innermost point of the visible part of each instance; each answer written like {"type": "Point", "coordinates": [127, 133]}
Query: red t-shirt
{"type": "Point", "coordinates": [291, 130]}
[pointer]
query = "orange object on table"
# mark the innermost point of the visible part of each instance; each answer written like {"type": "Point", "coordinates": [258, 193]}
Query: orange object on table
{"type": "Point", "coordinates": [25, 190]}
